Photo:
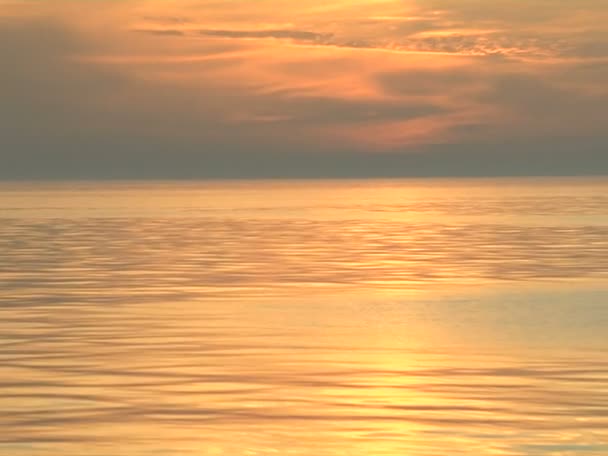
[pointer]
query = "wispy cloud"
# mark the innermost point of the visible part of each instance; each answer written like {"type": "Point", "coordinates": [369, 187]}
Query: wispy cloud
{"type": "Point", "coordinates": [449, 41]}
{"type": "Point", "coordinates": [295, 35]}
{"type": "Point", "coordinates": [298, 35]}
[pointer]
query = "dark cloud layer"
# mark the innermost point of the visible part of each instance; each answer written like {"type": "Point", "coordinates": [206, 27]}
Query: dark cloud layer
{"type": "Point", "coordinates": [112, 159]}
{"type": "Point", "coordinates": [297, 35]}
{"type": "Point", "coordinates": [300, 35]}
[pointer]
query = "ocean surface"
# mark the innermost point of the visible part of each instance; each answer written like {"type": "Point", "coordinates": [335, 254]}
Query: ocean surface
{"type": "Point", "coordinates": [310, 318]}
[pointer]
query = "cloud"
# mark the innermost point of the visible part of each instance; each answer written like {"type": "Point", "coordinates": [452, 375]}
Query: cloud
{"type": "Point", "coordinates": [41, 87]}
{"type": "Point", "coordinates": [295, 35]}
{"type": "Point", "coordinates": [66, 111]}
{"type": "Point", "coordinates": [546, 107]}
{"type": "Point", "coordinates": [166, 19]}
{"type": "Point", "coordinates": [458, 43]}
{"type": "Point", "coordinates": [519, 101]}
{"type": "Point", "coordinates": [515, 12]}
{"type": "Point", "coordinates": [425, 82]}
{"type": "Point", "coordinates": [166, 32]}
{"type": "Point", "coordinates": [321, 111]}
{"type": "Point", "coordinates": [518, 28]}
{"type": "Point", "coordinates": [53, 99]}
{"type": "Point", "coordinates": [217, 93]}
{"type": "Point", "coordinates": [298, 35]}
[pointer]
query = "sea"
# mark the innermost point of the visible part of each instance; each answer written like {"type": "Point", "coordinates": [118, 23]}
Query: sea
{"type": "Point", "coordinates": [304, 317]}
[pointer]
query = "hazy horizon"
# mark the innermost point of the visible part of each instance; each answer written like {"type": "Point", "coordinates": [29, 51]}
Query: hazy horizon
{"type": "Point", "coordinates": [429, 164]}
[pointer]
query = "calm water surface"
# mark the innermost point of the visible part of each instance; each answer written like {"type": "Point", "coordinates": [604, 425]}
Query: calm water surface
{"type": "Point", "coordinates": [304, 318]}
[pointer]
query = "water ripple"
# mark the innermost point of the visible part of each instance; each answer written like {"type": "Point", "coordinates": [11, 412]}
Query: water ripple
{"type": "Point", "coordinates": [302, 321]}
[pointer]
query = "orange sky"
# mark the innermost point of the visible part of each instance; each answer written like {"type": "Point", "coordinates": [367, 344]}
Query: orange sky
{"type": "Point", "coordinates": [362, 75]}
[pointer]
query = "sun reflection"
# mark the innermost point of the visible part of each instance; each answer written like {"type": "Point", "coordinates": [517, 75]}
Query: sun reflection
{"type": "Point", "coordinates": [242, 318]}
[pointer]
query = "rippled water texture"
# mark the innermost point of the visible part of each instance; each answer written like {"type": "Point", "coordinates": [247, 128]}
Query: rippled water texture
{"type": "Point", "coordinates": [304, 318]}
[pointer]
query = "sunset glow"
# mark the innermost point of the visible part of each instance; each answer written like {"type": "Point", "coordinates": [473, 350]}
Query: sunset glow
{"type": "Point", "coordinates": [339, 76]}
{"type": "Point", "coordinates": [303, 228]}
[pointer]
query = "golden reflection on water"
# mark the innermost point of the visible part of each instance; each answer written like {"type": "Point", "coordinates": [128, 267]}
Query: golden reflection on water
{"type": "Point", "coordinates": [385, 318]}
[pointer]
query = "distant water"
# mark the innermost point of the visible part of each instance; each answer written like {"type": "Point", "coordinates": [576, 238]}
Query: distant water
{"type": "Point", "coordinates": [399, 317]}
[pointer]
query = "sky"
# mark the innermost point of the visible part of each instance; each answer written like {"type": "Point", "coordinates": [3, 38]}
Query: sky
{"type": "Point", "coordinates": [316, 88]}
